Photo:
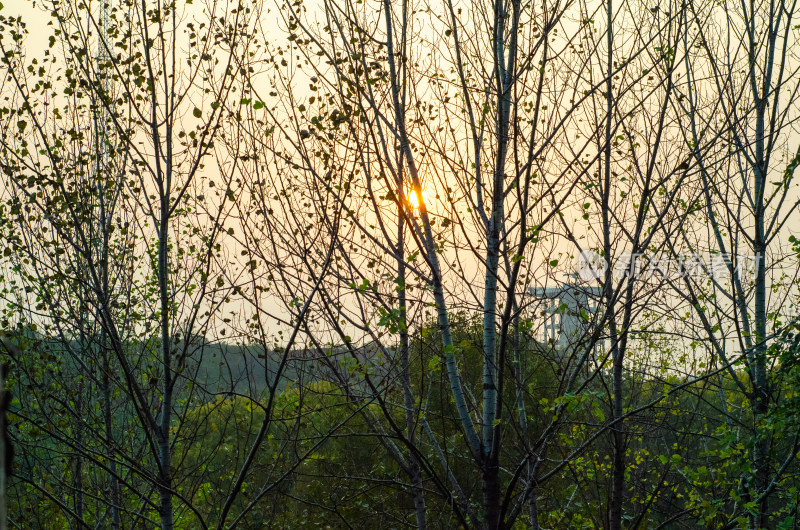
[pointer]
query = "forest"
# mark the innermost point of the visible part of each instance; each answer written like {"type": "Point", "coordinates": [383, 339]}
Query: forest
{"type": "Point", "coordinates": [492, 264]}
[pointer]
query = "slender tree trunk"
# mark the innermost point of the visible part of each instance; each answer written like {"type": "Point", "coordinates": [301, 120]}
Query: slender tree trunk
{"type": "Point", "coordinates": [428, 244]}
{"type": "Point", "coordinates": [77, 480]}
{"type": "Point", "coordinates": [618, 469]}
{"type": "Point", "coordinates": [164, 451]}
{"type": "Point", "coordinates": [759, 376]}
{"type": "Point", "coordinates": [6, 400]}
{"type": "Point", "coordinates": [405, 374]}
{"type": "Point", "coordinates": [519, 371]}
{"type": "Point", "coordinates": [105, 376]}
{"type": "Point", "coordinates": [533, 510]}
{"type": "Point", "coordinates": [491, 495]}
{"type": "Point", "coordinates": [103, 144]}
{"type": "Point", "coordinates": [114, 493]}
{"type": "Point", "coordinates": [505, 72]}
{"type": "Point", "coordinates": [618, 433]}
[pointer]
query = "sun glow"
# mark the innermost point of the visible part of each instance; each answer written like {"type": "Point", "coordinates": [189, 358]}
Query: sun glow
{"type": "Point", "coordinates": [412, 199]}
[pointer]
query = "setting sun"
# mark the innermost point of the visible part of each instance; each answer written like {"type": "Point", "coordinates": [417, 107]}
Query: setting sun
{"type": "Point", "coordinates": [412, 198]}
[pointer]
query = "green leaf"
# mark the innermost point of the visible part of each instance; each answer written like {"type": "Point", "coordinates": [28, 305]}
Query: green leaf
{"type": "Point", "coordinates": [553, 263]}
{"type": "Point", "coordinates": [196, 112]}
{"type": "Point", "coordinates": [258, 105]}
{"type": "Point", "coordinates": [435, 363]}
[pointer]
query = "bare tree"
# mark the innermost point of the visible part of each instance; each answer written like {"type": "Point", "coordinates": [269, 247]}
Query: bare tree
{"type": "Point", "coordinates": [447, 137]}
{"type": "Point", "coordinates": [741, 90]}
{"type": "Point", "coordinates": [105, 163]}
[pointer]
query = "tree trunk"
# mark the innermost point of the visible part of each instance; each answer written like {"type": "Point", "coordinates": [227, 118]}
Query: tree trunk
{"type": "Point", "coordinates": [6, 400]}
{"type": "Point", "coordinates": [491, 495]}
{"type": "Point", "coordinates": [164, 450]}
{"type": "Point", "coordinates": [759, 375]}
{"type": "Point", "coordinates": [618, 435]}
{"type": "Point", "coordinates": [114, 493]}
{"type": "Point", "coordinates": [405, 374]}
